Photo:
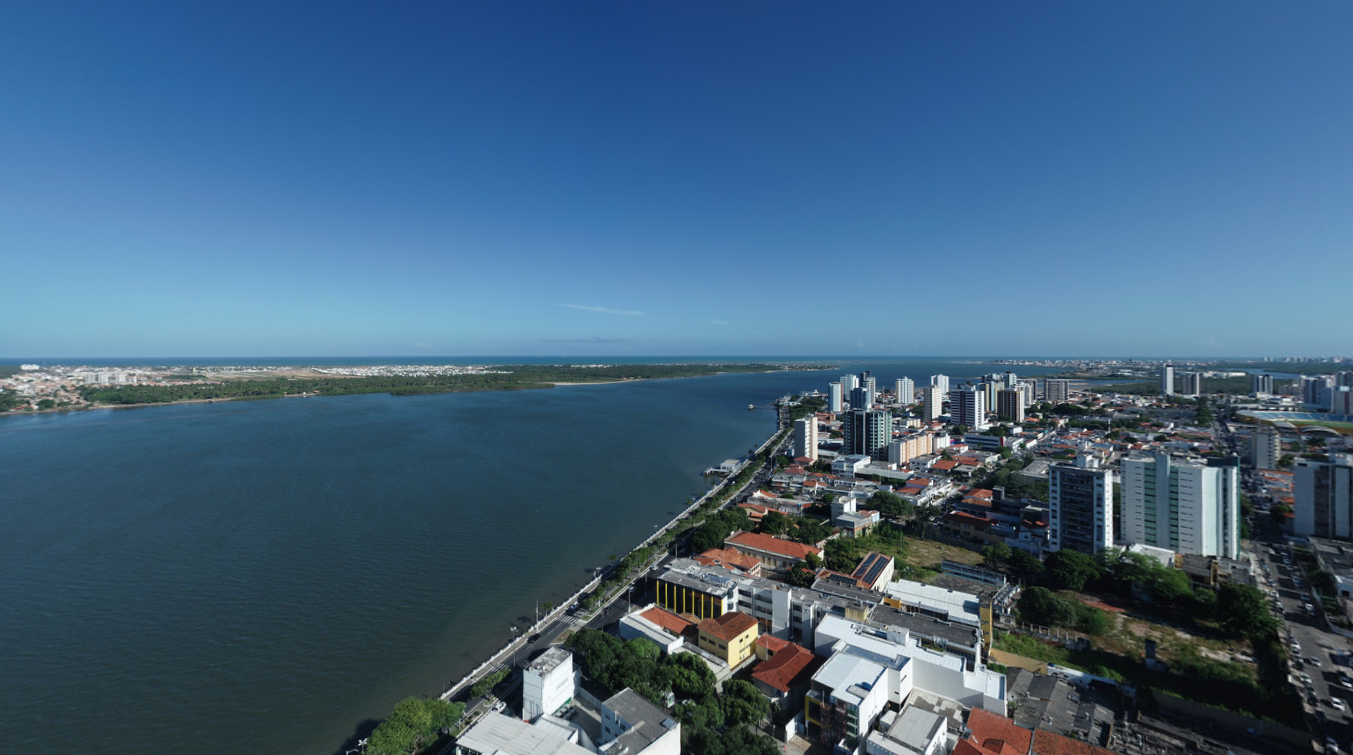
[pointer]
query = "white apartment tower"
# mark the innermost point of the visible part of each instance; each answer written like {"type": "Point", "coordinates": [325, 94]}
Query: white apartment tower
{"type": "Point", "coordinates": [968, 407]}
{"type": "Point", "coordinates": [905, 391]}
{"type": "Point", "coordinates": [805, 437]}
{"type": "Point", "coordinates": [1261, 384]}
{"type": "Point", "coordinates": [932, 403]}
{"type": "Point", "coordinates": [1323, 492]}
{"type": "Point", "coordinates": [834, 398]}
{"type": "Point", "coordinates": [849, 383]}
{"type": "Point", "coordinates": [1183, 505]}
{"type": "Point", "coordinates": [1080, 508]}
{"type": "Point", "coordinates": [941, 382]}
{"type": "Point", "coordinates": [1167, 380]}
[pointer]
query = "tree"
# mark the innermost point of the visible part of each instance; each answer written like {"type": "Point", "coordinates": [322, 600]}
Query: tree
{"type": "Point", "coordinates": [743, 703]}
{"type": "Point", "coordinates": [841, 555]}
{"type": "Point", "coordinates": [996, 555]}
{"type": "Point", "coordinates": [1037, 605]}
{"type": "Point", "coordinates": [800, 577]}
{"type": "Point", "coordinates": [812, 561]}
{"type": "Point", "coordinates": [775, 523]}
{"type": "Point", "coordinates": [891, 504]}
{"type": "Point", "coordinates": [1243, 612]}
{"type": "Point", "coordinates": [1024, 562]}
{"type": "Point", "coordinates": [1070, 570]}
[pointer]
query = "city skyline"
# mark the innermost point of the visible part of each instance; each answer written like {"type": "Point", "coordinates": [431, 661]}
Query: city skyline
{"type": "Point", "coordinates": [627, 180]}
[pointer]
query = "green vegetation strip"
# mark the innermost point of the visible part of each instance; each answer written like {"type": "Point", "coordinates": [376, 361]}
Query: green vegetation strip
{"type": "Point", "coordinates": [517, 377]}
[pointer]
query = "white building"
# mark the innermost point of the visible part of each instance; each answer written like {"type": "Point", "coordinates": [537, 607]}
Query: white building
{"type": "Point", "coordinates": [914, 731]}
{"type": "Point", "coordinates": [1167, 380]}
{"type": "Point", "coordinates": [1080, 508]}
{"type": "Point", "coordinates": [547, 684]}
{"type": "Point", "coordinates": [968, 407]}
{"type": "Point", "coordinates": [496, 734]}
{"type": "Point", "coordinates": [805, 437]}
{"type": "Point", "coordinates": [834, 392]}
{"type": "Point", "coordinates": [941, 382]}
{"type": "Point", "coordinates": [1183, 505]}
{"type": "Point", "coordinates": [849, 383]}
{"type": "Point", "coordinates": [631, 725]}
{"type": "Point", "coordinates": [932, 403]}
{"type": "Point", "coordinates": [1323, 493]}
{"type": "Point", "coordinates": [905, 391]}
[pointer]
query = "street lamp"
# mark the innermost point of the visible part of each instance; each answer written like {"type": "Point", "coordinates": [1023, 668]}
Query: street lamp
{"type": "Point", "coordinates": [515, 632]}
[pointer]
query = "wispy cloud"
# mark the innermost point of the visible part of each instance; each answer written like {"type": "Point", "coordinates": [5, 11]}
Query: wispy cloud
{"type": "Point", "coordinates": [593, 339]}
{"type": "Point", "coordinates": [606, 310]}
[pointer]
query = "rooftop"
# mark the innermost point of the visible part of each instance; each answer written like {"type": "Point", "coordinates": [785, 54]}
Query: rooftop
{"type": "Point", "coordinates": [770, 544]}
{"type": "Point", "coordinates": [728, 626]}
{"type": "Point", "coordinates": [784, 669]}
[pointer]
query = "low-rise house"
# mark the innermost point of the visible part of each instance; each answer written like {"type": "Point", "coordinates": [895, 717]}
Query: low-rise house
{"type": "Point", "coordinates": [772, 551]}
{"type": "Point", "coordinates": [731, 637]}
{"type": "Point", "coordinates": [784, 674]}
{"type": "Point", "coordinates": [496, 734]}
{"type": "Point", "coordinates": [732, 560]}
{"type": "Point", "coordinates": [914, 731]}
{"type": "Point", "coordinates": [875, 571]}
{"type": "Point", "coordinates": [659, 626]}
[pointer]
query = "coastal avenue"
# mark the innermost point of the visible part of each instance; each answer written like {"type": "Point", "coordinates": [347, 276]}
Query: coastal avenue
{"type": "Point", "coordinates": [637, 591]}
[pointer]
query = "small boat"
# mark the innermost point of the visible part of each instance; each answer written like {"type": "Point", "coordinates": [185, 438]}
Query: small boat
{"type": "Point", "coordinates": [751, 406]}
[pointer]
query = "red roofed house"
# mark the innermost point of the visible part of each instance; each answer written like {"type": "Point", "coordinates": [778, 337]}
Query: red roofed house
{"type": "Point", "coordinates": [755, 511]}
{"type": "Point", "coordinates": [772, 551]}
{"type": "Point", "coordinates": [978, 497]}
{"type": "Point", "coordinates": [994, 735]}
{"type": "Point", "coordinates": [1047, 743]}
{"type": "Point", "coordinates": [785, 676]}
{"type": "Point", "coordinates": [963, 524]}
{"type": "Point", "coordinates": [731, 560]}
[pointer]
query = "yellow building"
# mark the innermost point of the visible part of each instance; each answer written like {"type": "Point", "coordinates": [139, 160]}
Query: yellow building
{"type": "Point", "coordinates": [731, 637]}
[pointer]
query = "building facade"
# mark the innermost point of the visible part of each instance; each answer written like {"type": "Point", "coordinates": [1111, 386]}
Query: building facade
{"type": "Point", "coordinates": [1265, 447]}
{"type": "Point", "coordinates": [1167, 380]}
{"type": "Point", "coordinates": [805, 437]}
{"type": "Point", "coordinates": [1080, 505]}
{"type": "Point", "coordinates": [932, 403]}
{"type": "Point", "coordinates": [905, 391]}
{"type": "Point", "coordinates": [1010, 405]}
{"type": "Point", "coordinates": [1323, 492]}
{"type": "Point", "coordinates": [1183, 505]}
{"type": "Point", "coordinates": [968, 407]}
{"type": "Point", "coordinates": [866, 432]}
{"type": "Point", "coordinates": [1056, 390]}
{"type": "Point", "coordinates": [834, 398]}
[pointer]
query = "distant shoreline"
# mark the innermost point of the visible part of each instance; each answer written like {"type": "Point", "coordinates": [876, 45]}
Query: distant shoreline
{"type": "Point", "coordinates": [375, 390]}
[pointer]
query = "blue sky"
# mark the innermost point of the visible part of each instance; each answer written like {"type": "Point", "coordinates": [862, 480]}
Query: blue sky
{"type": "Point", "coordinates": [196, 179]}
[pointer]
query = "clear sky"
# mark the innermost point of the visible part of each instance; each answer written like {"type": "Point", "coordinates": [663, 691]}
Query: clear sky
{"type": "Point", "coordinates": [514, 178]}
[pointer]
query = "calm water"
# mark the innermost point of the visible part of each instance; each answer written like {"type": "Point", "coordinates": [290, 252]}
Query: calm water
{"type": "Point", "coordinates": [263, 576]}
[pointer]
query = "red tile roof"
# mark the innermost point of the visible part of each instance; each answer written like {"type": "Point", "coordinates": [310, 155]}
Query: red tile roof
{"type": "Point", "coordinates": [727, 627]}
{"type": "Point", "coordinates": [770, 544]}
{"type": "Point", "coordinates": [787, 667]}
{"type": "Point", "coordinates": [987, 726]}
{"type": "Point", "coordinates": [772, 643]}
{"type": "Point", "coordinates": [727, 557]}
{"type": "Point", "coordinates": [668, 620]}
{"type": "Point", "coordinates": [944, 465]}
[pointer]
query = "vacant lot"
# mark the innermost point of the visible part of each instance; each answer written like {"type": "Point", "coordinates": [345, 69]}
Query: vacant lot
{"type": "Point", "coordinates": [927, 554]}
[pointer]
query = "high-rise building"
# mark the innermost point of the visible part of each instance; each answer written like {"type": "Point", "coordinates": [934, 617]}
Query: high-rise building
{"type": "Point", "coordinates": [1261, 384]}
{"type": "Point", "coordinates": [1323, 497]}
{"type": "Point", "coordinates": [867, 432]}
{"type": "Point", "coordinates": [859, 398]}
{"type": "Point", "coordinates": [805, 437]}
{"type": "Point", "coordinates": [1265, 447]}
{"type": "Point", "coordinates": [905, 391]}
{"type": "Point", "coordinates": [1341, 400]}
{"type": "Point", "coordinates": [1183, 505]}
{"type": "Point", "coordinates": [849, 383]}
{"type": "Point", "coordinates": [1027, 389]}
{"type": "Point", "coordinates": [871, 388]}
{"type": "Point", "coordinates": [941, 382]}
{"type": "Point", "coordinates": [932, 403]}
{"type": "Point", "coordinates": [1167, 380]}
{"type": "Point", "coordinates": [1315, 389]}
{"type": "Point", "coordinates": [834, 398]}
{"type": "Point", "coordinates": [1010, 405]}
{"type": "Point", "coordinates": [1080, 507]}
{"type": "Point", "coordinates": [1056, 390]}
{"type": "Point", "coordinates": [968, 407]}
{"type": "Point", "coordinates": [1191, 384]}
{"type": "Point", "coordinates": [1010, 379]}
